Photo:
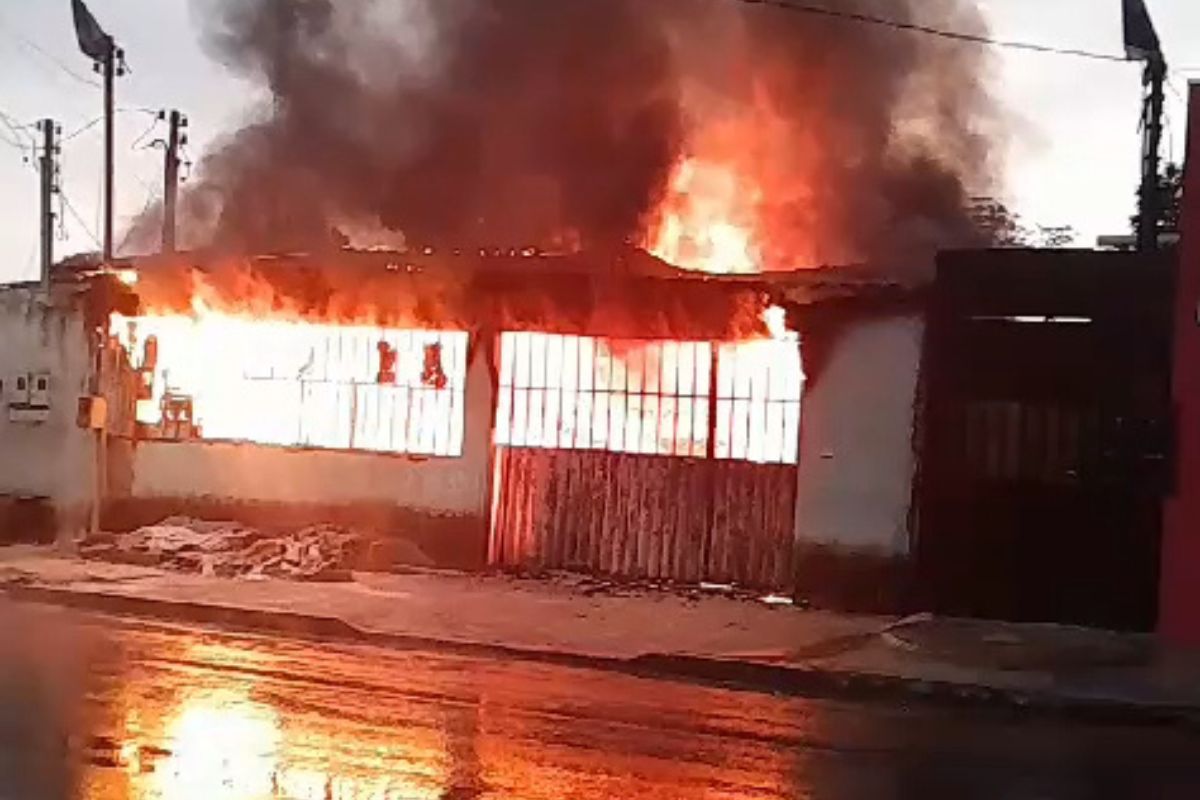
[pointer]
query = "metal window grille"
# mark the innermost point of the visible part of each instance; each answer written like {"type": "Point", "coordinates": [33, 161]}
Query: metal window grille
{"type": "Point", "coordinates": [759, 388]}
{"type": "Point", "coordinates": [320, 386]}
{"type": "Point", "coordinates": [650, 397]}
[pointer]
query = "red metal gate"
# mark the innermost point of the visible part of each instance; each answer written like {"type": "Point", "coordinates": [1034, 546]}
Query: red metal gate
{"type": "Point", "coordinates": [648, 459]}
{"type": "Point", "coordinates": [638, 516]}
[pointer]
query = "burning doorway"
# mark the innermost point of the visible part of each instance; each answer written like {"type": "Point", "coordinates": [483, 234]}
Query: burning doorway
{"type": "Point", "coordinates": [670, 460]}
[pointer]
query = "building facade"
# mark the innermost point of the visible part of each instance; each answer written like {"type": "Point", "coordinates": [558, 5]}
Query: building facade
{"type": "Point", "coordinates": [640, 427]}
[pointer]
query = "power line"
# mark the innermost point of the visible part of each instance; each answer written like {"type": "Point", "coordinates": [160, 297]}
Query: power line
{"type": "Point", "coordinates": [87, 126]}
{"type": "Point", "coordinates": [16, 126]}
{"type": "Point", "coordinates": [20, 148]}
{"type": "Point", "coordinates": [142, 136]}
{"type": "Point", "coordinates": [912, 27]}
{"type": "Point", "coordinates": [19, 130]}
{"type": "Point", "coordinates": [82, 130]}
{"type": "Point", "coordinates": [79, 219]}
{"type": "Point", "coordinates": [34, 47]}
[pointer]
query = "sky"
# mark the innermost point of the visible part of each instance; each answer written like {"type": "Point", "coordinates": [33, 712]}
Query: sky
{"type": "Point", "coordinates": [1073, 143]}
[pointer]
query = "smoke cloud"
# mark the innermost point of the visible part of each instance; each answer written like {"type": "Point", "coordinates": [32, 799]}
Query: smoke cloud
{"type": "Point", "coordinates": [473, 123]}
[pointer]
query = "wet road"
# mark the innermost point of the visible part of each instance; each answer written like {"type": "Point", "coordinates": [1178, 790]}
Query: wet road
{"type": "Point", "coordinates": [175, 713]}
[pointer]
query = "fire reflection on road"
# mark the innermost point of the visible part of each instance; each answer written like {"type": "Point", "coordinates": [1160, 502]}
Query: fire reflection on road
{"type": "Point", "coordinates": [177, 714]}
{"type": "Point", "coordinates": [221, 744]}
{"type": "Point", "coordinates": [221, 723]}
{"type": "Point", "coordinates": [186, 715]}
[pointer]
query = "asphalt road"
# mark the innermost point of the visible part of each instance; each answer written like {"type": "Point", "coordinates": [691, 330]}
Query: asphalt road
{"type": "Point", "coordinates": [98, 708]}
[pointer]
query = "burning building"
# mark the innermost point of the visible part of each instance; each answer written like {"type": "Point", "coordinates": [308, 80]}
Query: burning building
{"type": "Point", "coordinates": [562, 304]}
{"type": "Point", "coordinates": [523, 411]}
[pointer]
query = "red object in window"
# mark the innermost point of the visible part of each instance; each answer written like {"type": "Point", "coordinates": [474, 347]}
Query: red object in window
{"type": "Point", "coordinates": [432, 374]}
{"type": "Point", "coordinates": [150, 354]}
{"type": "Point", "coordinates": [387, 364]}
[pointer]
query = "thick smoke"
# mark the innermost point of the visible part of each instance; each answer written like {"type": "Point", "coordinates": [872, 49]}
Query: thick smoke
{"type": "Point", "coordinates": [469, 123]}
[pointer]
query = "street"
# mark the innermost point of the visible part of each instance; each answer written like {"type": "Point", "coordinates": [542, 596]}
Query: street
{"type": "Point", "coordinates": [100, 708]}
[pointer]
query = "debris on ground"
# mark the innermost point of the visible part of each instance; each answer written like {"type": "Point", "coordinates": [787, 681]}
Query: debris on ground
{"type": "Point", "coordinates": [229, 549]}
{"type": "Point", "coordinates": [611, 586]}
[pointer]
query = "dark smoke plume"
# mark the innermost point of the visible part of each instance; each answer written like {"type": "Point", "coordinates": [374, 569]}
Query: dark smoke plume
{"type": "Point", "coordinates": [526, 122]}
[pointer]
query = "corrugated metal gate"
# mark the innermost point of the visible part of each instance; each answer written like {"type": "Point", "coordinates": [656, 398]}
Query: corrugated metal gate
{"type": "Point", "coordinates": [643, 516]}
{"type": "Point", "coordinates": [661, 460]}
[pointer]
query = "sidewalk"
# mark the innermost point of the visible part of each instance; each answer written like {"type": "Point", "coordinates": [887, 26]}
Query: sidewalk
{"type": "Point", "coordinates": [698, 636]}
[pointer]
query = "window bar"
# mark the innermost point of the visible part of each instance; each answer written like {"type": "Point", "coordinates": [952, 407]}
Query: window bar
{"type": "Point", "coordinates": [450, 368]}
{"type": "Point", "coordinates": [768, 407]}
{"type": "Point", "coordinates": [713, 385]}
{"type": "Point", "coordinates": [626, 396]}
{"type": "Point", "coordinates": [582, 411]}
{"type": "Point", "coordinates": [512, 382]}
{"type": "Point", "coordinates": [533, 392]}
{"type": "Point", "coordinates": [640, 420]}
{"type": "Point", "coordinates": [547, 380]}
{"type": "Point", "coordinates": [676, 440]}
{"type": "Point", "coordinates": [662, 389]}
{"type": "Point", "coordinates": [436, 424]}
{"type": "Point", "coordinates": [566, 429]}
{"type": "Point", "coordinates": [410, 422]}
{"type": "Point", "coordinates": [599, 359]}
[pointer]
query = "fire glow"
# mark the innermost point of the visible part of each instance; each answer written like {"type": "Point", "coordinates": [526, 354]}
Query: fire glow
{"type": "Point", "coordinates": [221, 376]}
{"type": "Point", "coordinates": [707, 220]}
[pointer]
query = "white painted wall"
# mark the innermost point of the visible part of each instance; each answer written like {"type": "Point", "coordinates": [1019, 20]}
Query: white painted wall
{"type": "Point", "coordinates": [250, 472]}
{"type": "Point", "coordinates": [856, 452]}
{"type": "Point", "coordinates": [54, 458]}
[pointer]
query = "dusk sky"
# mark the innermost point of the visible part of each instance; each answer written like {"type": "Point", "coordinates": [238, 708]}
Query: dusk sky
{"type": "Point", "coordinates": [1073, 144]}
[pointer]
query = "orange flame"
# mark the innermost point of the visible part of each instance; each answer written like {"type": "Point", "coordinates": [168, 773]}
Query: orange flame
{"type": "Point", "coordinates": [706, 222]}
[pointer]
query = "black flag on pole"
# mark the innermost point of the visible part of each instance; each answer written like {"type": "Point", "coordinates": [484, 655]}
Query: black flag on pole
{"type": "Point", "coordinates": [93, 41]}
{"type": "Point", "coordinates": [1141, 40]}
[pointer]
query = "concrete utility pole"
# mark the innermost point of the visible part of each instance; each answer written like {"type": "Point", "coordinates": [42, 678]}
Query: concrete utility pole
{"type": "Point", "coordinates": [109, 67]}
{"type": "Point", "coordinates": [1150, 210]}
{"type": "Point", "coordinates": [175, 138]}
{"type": "Point", "coordinates": [49, 170]}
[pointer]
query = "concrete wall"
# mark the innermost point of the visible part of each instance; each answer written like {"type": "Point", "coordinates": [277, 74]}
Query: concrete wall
{"type": "Point", "coordinates": [50, 459]}
{"type": "Point", "coordinates": [238, 471]}
{"type": "Point", "coordinates": [440, 504]}
{"type": "Point", "coordinates": [856, 453]}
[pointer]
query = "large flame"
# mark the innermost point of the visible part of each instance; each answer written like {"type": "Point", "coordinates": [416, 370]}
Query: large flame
{"type": "Point", "coordinates": [707, 221]}
{"type": "Point", "coordinates": [231, 356]}
{"type": "Point", "coordinates": [243, 376]}
{"type": "Point", "coordinates": [744, 198]}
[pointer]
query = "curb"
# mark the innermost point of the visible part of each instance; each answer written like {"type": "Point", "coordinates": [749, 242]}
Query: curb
{"type": "Point", "coordinates": [788, 681]}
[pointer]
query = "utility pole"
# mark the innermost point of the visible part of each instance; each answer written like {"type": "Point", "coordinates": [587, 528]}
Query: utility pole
{"type": "Point", "coordinates": [49, 170]}
{"type": "Point", "coordinates": [109, 67]}
{"type": "Point", "coordinates": [1150, 211]}
{"type": "Point", "coordinates": [175, 138]}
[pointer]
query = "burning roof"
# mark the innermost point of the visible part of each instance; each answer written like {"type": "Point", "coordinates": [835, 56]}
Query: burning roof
{"type": "Point", "coordinates": [625, 292]}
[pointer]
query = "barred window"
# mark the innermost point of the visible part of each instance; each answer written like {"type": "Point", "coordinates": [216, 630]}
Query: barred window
{"type": "Point", "coordinates": [652, 397]}
{"type": "Point", "coordinates": [307, 385]}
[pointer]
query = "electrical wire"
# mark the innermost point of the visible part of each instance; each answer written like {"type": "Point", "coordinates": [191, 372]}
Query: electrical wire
{"type": "Point", "coordinates": [929, 30]}
{"type": "Point", "coordinates": [142, 136]}
{"type": "Point", "coordinates": [16, 126]}
{"type": "Point", "coordinates": [11, 143]}
{"type": "Point", "coordinates": [34, 47]}
{"type": "Point", "coordinates": [20, 130]}
{"type": "Point", "coordinates": [66, 203]}
{"type": "Point", "coordinates": [82, 129]}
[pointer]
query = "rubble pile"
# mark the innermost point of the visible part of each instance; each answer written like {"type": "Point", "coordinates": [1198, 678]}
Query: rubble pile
{"type": "Point", "coordinates": [228, 549]}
